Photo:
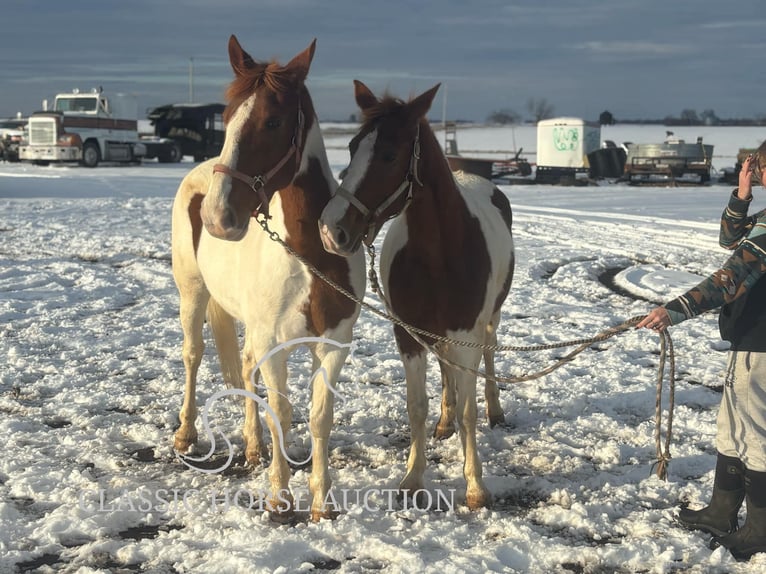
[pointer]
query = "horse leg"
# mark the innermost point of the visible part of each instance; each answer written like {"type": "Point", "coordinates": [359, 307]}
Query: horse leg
{"type": "Point", "coordinates": [495, 413]}
{"type": "Point", "coordinates": [274, 373]}
{"type": "Point", "coordinates": [477, 495]}
{"type": "Point", "coordinates": [445, 428]}
{"type": "Point", "coordinates": [417, 410]}
{"type": "Point", "coordinates": [252, 431]}
{"type": "Point", "coordinates": [192, 311]}
{"type": "Point", "coordinates": [329, 360]}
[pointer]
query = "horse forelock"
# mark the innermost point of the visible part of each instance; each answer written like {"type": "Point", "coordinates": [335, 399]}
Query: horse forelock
{"type": "Point", "coordinates": [387, 106]}
{"type": "Point", "coordinates": [272, 75]}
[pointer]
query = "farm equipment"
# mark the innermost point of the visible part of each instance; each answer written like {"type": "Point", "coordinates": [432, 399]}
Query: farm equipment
{"type": "Point", "coordinates": [730, 175]}
{"type": "Point", "coordinates": [671, 160]}
{"type": "Point", "coordinates": [484, 167]}
{"type": "Point", "coordinates": [608, 161]}
{"type": "Point", "coordinates": [11, 135]}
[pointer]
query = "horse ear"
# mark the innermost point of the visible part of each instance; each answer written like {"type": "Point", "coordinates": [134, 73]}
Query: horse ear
{"type": "Point", "coordinates": [300, 65]}
{"type": "Point", "coordinates": [419, 107]}
{"type": "Point", "coordinates": [240, 60]}
{"type": "Point", "coordinates": [365, 99]}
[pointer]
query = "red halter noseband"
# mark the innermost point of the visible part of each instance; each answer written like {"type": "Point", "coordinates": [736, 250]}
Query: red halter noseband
{"type": "Point", "coordinates": [258, 182]}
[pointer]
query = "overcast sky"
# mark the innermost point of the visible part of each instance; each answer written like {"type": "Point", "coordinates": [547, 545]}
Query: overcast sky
{"type": "Point", "coordinates": [635, 58]}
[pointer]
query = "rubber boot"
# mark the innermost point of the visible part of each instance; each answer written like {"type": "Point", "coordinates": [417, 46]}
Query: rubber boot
{"type": "Point", "coordinates": [751, 538]}
{"type": "Point", "coordinates": [719, 518]}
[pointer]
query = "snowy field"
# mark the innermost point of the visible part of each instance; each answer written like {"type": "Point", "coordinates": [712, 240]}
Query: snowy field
{"type": "Point", "coordinates": [91, 383]}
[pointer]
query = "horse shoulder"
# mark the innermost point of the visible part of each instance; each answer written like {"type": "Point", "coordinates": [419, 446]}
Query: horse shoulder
{"type": "Point", "coordinates": [197, 181]}
{"type": "Point", "coordinates": [488, 204]}
{"type": "Point", "coordinates": [493, 211]}
{"type": "Point", "coordinates": [186, 219]}
{"type": "Point", "coordinates": [191, 191]}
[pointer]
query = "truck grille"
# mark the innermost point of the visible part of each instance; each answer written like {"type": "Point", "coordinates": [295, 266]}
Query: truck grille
{"type": "Point", "coordinates": [42, 133]}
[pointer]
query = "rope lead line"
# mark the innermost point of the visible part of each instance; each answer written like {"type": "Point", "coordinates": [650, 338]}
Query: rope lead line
{"type": "Point", "coordinates": [666, 346]}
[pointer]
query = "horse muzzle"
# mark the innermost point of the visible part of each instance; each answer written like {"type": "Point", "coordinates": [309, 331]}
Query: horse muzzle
{"type": "Point", "coordinates": [338, 241]}
{"type": "Point", "coordinates": [224, 224]}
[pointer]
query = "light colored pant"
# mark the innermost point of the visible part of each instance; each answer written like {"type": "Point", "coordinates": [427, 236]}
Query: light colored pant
{"type": "Point", "coordinates": [742, 415]}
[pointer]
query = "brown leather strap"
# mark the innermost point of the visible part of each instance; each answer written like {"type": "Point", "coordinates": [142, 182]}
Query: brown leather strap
{"type": "Point", "coordinates": [256, 184]}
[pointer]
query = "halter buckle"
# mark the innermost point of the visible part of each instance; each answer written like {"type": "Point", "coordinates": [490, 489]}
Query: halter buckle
{"type": "Point", "coordinates": [258, 183]}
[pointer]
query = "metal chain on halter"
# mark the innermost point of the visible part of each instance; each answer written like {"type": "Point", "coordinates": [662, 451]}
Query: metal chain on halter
{"type": "Point", "coordinates": [666, 345]}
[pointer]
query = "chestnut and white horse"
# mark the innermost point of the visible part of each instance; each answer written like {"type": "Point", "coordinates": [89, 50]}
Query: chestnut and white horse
{"type": "Point", "coordinates": [446, 263]}
{"type": "Point", "coordinates": [274, 162]}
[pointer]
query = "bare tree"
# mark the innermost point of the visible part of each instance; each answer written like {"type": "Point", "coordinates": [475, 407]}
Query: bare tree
{"type": "Point", "coordinates": [709, 118]}
{"type": "Point", "coordinates": [540, 108]}
{"type": "Point", "coordinates": [504, 116]}
{"type": "Point", "coordinates": [690, 116]}
{"type": "Point", "coordinates": [606, 118]}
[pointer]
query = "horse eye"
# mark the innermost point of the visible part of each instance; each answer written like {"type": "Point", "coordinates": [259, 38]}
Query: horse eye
{"type": "Point", "coordinates": [273, 123]}
{"type": "Point", "coordinates": [389, 157]}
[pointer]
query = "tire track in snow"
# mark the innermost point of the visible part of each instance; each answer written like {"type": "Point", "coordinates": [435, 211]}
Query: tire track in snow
{"type": "Point", "coordinates": [635, 237]}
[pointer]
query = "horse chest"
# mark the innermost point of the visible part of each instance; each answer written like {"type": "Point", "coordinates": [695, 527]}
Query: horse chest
{"type": "Point", "coordinates": [437, 293]}
{"type": "Point", "coordinates": [255, 280]}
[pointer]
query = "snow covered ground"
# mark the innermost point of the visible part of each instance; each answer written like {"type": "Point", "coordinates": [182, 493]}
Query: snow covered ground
{"type": "Point", "coordinates": [91, 382]}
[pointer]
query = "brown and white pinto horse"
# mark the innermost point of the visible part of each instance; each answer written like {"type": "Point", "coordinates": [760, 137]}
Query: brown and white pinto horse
{"type": "Point", "coordinates": [446, 263]}
{"type": "Point", "coordinates": [273, 161]}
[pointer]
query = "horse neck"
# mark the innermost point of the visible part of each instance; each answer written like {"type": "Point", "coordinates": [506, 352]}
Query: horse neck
{"type": "Point", "coordinates": [313, 184]}
{"type": "Point", "coordinates": [435, 212]}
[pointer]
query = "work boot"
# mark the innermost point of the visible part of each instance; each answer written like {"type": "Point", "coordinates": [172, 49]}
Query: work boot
{"type": "Point", "coordinates": [719, 518]}
{"type": "Point", "coordinates": [751, 538]}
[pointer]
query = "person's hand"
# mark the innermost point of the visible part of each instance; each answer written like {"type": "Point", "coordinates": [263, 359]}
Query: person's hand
{"type": "Point", "coordinates": [745, 187]}
{"type": "Point", "coordinates": [657, 320]}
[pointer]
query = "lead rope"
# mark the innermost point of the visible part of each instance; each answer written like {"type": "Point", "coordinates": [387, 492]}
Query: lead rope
{"type": "Point", "coordinates": [663, 456]}
{"type": "Point", "coordinates": [666, 345]}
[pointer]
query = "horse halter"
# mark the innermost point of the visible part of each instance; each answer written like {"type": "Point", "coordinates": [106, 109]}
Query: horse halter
{"type": "Point", "coordinates": [369, 216]}
{"type": "Point", "coordinates": [258, 182]}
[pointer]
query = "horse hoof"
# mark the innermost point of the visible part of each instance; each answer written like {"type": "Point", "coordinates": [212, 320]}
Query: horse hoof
{"type": "Point", "coordinates": [317, 515]}
{"type": "Point", "coordinates": [478, 500]}
{"type": "Point", "coordinates": [495, 420]}
{"type": "Point", "coordinates": [282, 516]}
{"type": "Point", "coordinates": [255, 456]}
{"type": "Point", "coordinates": [182, 443]}
{"type": "Point", "coordinates": [417, 498]}
{"type": "Point", "coordinates": [444, 432]}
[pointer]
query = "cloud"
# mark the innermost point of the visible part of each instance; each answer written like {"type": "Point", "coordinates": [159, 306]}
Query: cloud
{"type": "Point", "coordinates": [491, 53]}
{"type": "Point", "coordinates": [734, 24]}
{"type": "Point", "coordinates": [635, 49]}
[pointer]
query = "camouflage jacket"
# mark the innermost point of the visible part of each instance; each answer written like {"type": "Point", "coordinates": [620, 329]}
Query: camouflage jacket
{"type": "Point", "coordinates": [739, 276]}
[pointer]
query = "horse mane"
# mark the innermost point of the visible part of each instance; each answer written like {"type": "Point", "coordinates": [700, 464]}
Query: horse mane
{"type": "Point", "coordinates": [274, 76]}
{"type": "Point", "coordinates": [388, 105]}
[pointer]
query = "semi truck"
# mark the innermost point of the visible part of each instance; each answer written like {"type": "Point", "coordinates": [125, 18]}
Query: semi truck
{"type": "Point", "coordinates": [90, 128]}
{"type": "Point", "coordinates": [84, 127]}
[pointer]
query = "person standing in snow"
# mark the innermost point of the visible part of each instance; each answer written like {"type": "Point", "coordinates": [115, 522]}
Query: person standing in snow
{"type": "Point", "coordinates": [739, 287]}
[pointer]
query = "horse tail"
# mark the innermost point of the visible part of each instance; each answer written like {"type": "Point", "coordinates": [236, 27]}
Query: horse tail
{"type": "Point", "coordinates": [226, 343]}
